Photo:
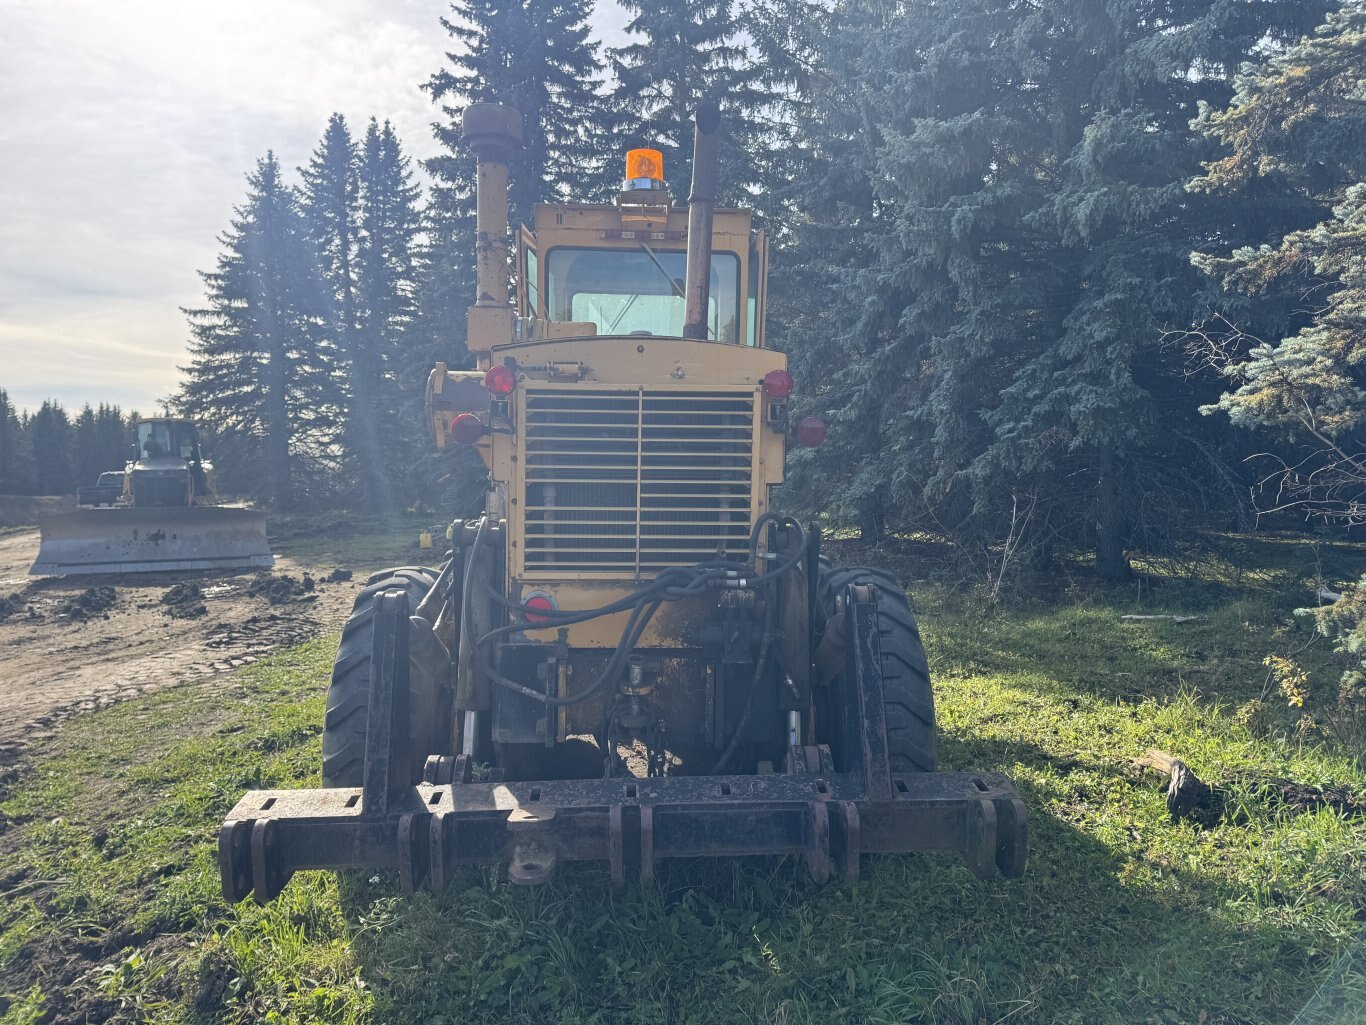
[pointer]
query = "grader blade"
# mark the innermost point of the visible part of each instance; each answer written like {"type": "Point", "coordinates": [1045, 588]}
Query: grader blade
{"type": "Point", "coordinates": [426, 831]}
{"type": "Point", "coordinates": [149, 540]}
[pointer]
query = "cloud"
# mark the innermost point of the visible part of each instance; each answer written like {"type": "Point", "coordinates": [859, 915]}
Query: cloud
{"type": "Point", "coordinates": [128, 130]}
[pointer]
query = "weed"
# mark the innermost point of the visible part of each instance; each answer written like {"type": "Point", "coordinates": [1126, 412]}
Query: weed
{"type": "Point", "coordinates": [27, 1009]}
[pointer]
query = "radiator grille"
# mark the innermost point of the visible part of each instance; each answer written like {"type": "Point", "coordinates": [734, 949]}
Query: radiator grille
{"type": "Point", "coordinates": [635, 481]}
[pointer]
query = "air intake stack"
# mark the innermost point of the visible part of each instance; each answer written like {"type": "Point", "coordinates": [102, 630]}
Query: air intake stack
{"type": "Point", "coordinates": [493, 132]}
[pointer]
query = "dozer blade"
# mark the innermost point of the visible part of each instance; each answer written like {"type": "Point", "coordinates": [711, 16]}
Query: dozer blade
{"type": "Point", "coordinates": [149, 540]}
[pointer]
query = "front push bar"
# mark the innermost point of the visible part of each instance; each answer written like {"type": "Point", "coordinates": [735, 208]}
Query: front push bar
{"type": "Point", "coordinates": [429, 829]}
{"type": "Point", "coordinates": [632, 825]}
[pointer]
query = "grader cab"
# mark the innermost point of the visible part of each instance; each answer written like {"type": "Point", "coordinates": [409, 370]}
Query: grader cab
{"type": "Point", "coordinates": [630, 655]}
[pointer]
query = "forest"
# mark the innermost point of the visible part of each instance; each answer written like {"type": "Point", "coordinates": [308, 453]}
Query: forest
{"type": "Point", "coordinates": [1060, 276]}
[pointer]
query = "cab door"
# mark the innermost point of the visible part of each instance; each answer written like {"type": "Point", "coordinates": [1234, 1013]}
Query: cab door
{"type": "Point", "coordinates": [529, 301]}
{"type": "Point", "coordinates": [757, 291]}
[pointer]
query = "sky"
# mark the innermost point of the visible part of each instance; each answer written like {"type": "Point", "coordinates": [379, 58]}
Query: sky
{"type": "Point", "coordinates": [126, 132]}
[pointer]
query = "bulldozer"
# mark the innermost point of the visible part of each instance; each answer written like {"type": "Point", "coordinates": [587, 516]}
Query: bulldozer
{"type": "Point", "coordinates": [159, 513]}
{"type": "Point", "coordinates": [630, 656]}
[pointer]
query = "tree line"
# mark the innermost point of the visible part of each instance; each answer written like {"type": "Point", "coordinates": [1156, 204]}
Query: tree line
{"type": "Point", "coordinates": [336, 292]}
{"type": "Point", "coordinates": [1052, 272]}
{"type": "Point", "coordinates": [48, 452]}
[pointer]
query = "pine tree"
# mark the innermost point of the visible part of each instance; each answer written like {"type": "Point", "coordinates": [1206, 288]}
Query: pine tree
{"type": "Point", "coordinates": [50, 438]}
{"type": "Point", "coordinates": [260, 356]}
{"type": "Point", "coordinates": [15, 467]}
{"type": "Point", "coordinates": [1294, 150]}
{"type": "Point", "coordinates": [686, 52]}
{"type": "Point", "coordinates": [1000, 348]}
{"type": "Point", "coordinates": [83, 445]}
{"type": "Point", "coordinates": [114, 437]}
{"type": "Point", "coordinates": [535, 56]}
{"type": "Point", "coordinates": [389, 222]}
{"type": "Point", "coordinates": [332, 213]}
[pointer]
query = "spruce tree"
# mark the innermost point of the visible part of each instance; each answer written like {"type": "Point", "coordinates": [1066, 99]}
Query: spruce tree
{"type": "Point", "coordinates": [1293, 150]}
{"type": "Point", "coordinates": [389, 223]}
{"type": "Point", "coordinates": [260, 356]}
{"type": "Point", "coordinates": [100, 442]}
{"type": "Point", "coordinates": [999, 345]}
{"type": "Point", "coordinates": [50, 441]}
{"type": "Point", "coordinates": [445, 290]}
{"type": "Point", "coordinates": [114, 437]}
{"type": "Point", "coordinates": [682, 53]}
{"type": "Point", "coordinates": [535, 56]}
{"type": "Point", "coordinates": [332, 212]}
{"type": "Point", "coordinates": [15, 468]}
{"type": "Point", "coordinates": [813, 289]}
{"type": "Point", "coordinates": [85, 455]}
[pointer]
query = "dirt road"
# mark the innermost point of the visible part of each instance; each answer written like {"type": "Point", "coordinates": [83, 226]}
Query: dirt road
{"type": "Point", "coordinates": [70, 644]}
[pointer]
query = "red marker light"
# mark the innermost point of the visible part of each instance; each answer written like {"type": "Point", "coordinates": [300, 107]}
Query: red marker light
{"type": "Point", "coordinates": [540, 601]}
{"type": "Point", "coordinates": [811, 432]}
{"type": "Point", "coordinates": [778, 384]}
{"type": "Point", "coordinates": [500, 381]}
{"type": "Point", "coordinates": [467, 428]}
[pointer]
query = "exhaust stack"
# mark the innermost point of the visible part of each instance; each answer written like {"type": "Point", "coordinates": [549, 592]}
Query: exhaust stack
{"type": "Point", "coordinates": [701, 203]}
{"type": "Point", "coordinates": [492, 131]}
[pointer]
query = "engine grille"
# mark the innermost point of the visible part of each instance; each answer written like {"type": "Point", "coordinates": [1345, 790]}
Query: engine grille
{"type": "Point", "coordinates": [634, 481]}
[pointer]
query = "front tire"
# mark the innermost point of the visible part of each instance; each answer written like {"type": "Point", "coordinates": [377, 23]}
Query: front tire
{"type": "Point", "coordinates": [348, 695]}
{"type": "Point", "coordinates": [908, 697]}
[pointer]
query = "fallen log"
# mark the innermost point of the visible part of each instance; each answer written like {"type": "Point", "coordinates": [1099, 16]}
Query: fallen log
{"type": "Point", "coordinates": [1188, 796]}
{"type": "Point", "coordinates": [1174, 619]}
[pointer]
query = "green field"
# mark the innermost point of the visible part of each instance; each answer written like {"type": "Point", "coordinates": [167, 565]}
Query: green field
{"type": "Point", "coordinates": [110, 906]}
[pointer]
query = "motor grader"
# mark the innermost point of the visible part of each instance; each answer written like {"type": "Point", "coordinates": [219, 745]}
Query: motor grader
{"type": "Point", "coordinates": [630, 655]}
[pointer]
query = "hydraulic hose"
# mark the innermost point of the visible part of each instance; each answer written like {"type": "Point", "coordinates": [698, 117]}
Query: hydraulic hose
{"type": "Point", "coordinates": [700, 576]}
{"type": "Point", "coordinates": [634, 628]}
{"type": "Point", "coordinates": [672, 584]}
{"type": "Point", "coordinates": [436, 593]}
{"type": "Point", "coordinates": [467, 648]}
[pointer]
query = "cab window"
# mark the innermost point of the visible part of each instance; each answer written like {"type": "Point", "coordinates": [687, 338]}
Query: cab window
{"type": "Point", "coordinates": [639, 290]}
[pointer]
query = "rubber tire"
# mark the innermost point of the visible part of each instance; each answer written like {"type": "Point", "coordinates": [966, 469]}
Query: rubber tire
{"type": "Point", "coordinates": [348, 695]}
{"type": "Point", "coordinates": [394, 571]}
{"type": "Point", "coordinates": [907, 694]}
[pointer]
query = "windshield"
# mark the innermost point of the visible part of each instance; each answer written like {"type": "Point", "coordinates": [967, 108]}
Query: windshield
{"type": "Point", "coordinates": [158, 438]}
{"type": "Point", "coordinates": [638, 290]}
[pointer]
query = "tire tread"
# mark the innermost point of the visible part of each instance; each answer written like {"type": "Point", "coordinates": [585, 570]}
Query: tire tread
{"type": "Point", "coordinates": [908, 695]}
{"type": "Point", "coordinates": [347, 714]}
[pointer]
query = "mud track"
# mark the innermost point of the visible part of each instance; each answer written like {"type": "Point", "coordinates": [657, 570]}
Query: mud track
{"type": "Point", "coordinates": [64, 651]}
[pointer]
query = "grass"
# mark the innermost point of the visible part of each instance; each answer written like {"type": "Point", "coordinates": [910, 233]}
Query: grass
{"type": "Point", "coordinates": [364, 542]}
{"type": "Point", "coordinates": [110, 905]}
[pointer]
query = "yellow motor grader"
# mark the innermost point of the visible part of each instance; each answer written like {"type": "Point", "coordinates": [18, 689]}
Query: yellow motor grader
{"type": "Point", "coordinates": [630, 655]}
